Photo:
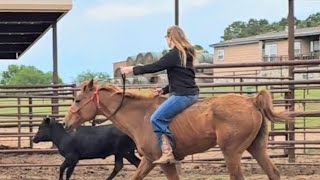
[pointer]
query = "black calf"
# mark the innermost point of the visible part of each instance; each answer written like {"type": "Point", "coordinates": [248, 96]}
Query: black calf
{"type": "Point", "coordinates": [87, 143]}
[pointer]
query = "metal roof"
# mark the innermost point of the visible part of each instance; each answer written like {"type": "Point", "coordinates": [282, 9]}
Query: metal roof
{"type": "Point", "coordinates": [23, 22]}
{"type": "Point", "coordinates": [312, 31]}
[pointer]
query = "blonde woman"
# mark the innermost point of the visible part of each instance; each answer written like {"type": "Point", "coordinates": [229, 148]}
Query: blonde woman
{"type": "Point", "coordinates": [182, 87]}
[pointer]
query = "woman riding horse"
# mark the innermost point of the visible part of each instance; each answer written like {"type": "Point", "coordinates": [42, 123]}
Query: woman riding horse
{"type": "Point", "coordinates": [236, 123]}
{"type": "Point", "coordinates": [178, 63]}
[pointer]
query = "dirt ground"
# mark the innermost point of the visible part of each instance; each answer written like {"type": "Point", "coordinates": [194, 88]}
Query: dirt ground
{"type": "Point", "coordinates": [208, 171]}
{"type": "Point", "coordinates": [189, 171]}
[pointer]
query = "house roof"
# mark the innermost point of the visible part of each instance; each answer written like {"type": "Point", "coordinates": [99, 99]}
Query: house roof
{"type": "Point", "coordinates": [269, 36]}
{"type": "Point", "coordinates": [23, 22]}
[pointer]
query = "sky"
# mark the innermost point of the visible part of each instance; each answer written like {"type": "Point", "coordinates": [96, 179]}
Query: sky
{"type": "Point", "coordinates": [97, 33]}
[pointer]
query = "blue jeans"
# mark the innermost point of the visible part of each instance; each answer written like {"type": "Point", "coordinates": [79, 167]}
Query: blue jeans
{"type": "Point", "coordinates": [161, 118]}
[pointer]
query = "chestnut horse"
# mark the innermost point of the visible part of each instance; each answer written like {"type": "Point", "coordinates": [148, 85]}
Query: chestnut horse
{"type": "Point", "coordinates": [234, 122]}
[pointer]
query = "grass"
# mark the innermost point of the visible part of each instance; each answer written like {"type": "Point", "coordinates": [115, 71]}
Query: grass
{"type": "Point", "coordinates": [304, 121]}
{"type": "Point", "coordinates": [25, 110]}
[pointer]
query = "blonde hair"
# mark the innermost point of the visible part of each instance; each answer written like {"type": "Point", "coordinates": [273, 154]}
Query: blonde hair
{"type": "Point", "coordinates": [176, 34]}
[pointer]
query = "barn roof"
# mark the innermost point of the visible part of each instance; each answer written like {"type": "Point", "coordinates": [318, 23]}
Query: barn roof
{"type": "Point", "coordinates": [23, 22]}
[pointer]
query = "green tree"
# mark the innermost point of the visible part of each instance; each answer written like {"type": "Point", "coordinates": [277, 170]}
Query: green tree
{"type": "Point", "coordinates": [313, 20]}
{"type": "Point", "coordinates": [88, 75]}
{"type": "Point", "coordinates": [7, 75]}
{"type": "Point", "coordinates": [240, 29]}
{"type": "Point", "coordinates": [198, 47]}
{"type": "Point", "coordinates": [26, 75]}
{"type": "Point", "coordinates": [255, 27]}
{"type": "Point", "coordinates": [235, 30]}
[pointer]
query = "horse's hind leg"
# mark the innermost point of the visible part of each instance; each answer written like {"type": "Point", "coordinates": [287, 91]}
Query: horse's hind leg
{"type": "Point", "coordinates": [258, 149]}
{"type": "Point", "coordinates": [144, 168]}
{"type": "Point", "coordinates": [170, 171]}
{"type": "Point", "coordinates": [232, 146]}
{"type": "Point", "coordinates": [233, 161]}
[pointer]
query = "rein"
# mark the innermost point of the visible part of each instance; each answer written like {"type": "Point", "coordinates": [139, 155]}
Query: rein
{"type": "Point", "coordinates": [122, 98]}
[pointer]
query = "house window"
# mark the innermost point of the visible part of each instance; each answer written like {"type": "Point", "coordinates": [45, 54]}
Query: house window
{"type": "Point", "coordinates": [315, 49]}
{"type": "Point", "coordinates": [297, 48]}
{"type": "Point", "coordinates": [270, 52]}
{"type": "Point", "coordinates": [314, 46]}
{"type": "Point", "coordinates": [220, 55]}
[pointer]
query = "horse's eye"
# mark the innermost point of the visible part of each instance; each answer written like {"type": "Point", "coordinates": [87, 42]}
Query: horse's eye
{"type": "Point", "coordinates": [77, 100]}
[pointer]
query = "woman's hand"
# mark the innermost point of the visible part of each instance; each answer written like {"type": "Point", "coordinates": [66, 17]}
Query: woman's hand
{"type": "Point", "coordinates": [158, 91]}
{"type": "Point", "coordinates": [126, 70]}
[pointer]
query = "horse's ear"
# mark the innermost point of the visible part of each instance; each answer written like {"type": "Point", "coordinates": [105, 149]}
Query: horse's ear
{"type": "Point", "coordinates": [91, 84]}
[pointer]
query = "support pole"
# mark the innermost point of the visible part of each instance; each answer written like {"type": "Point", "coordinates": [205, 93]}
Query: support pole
{"type": "Point", "coordinates": [176, 12]}
{"type": "Point", "coordinates": [55, 79]}
{"type": "Point", "coordinates": [291, 126]}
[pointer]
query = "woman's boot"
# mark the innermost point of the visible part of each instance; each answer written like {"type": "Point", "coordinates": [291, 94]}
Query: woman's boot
{"type": "Point", "coordinates": [167, 152]}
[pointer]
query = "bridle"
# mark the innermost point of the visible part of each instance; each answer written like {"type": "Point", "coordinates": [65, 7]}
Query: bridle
{"type": "Point", "coordinates": [97, 102]}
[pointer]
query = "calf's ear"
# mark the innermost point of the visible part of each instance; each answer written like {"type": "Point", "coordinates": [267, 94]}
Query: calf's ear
{"type": "Point", "coordinates": [47, 119]}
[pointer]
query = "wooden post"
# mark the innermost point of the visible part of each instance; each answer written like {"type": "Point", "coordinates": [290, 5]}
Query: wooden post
{"type": "Point", "coordinates": [176, 12]}
{"type": "Point", "coordinates": [30, 122]}
{"type": "Point", "coordinates": [19, 122]}
{"type": "Point", "coordinates": [55, 77]}
{"type": "Point", "coordinates": [291, 126]}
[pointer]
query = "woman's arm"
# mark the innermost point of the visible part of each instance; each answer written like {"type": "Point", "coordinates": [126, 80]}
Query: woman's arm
{"type": "Point", "coordinates": [169, 60]}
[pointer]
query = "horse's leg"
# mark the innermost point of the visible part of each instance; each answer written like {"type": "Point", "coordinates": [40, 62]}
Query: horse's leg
{"type": "Point", "coordinates": [144, 168]}
{"type": "Point", "coordinates": [170, 171]}
{"type": "Point", "coordinates": [232, 147]}
{"type": "Point", "coordinates": [258, 149]}
{"type": "Point", "coordinates": [265, 162]}
{"type": "Point", "coordinates": [118, 165]}
{"type": "Point", "coordinates": [233, 161]}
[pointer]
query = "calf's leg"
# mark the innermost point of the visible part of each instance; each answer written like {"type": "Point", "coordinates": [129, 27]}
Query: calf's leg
{"type": "Point", "coordinates": [132, 158]}
{"type": "Point", "coordinates": [63, 167]}
{"type": "Point", "coordinates": [72, 162]}
{"type": "Point", "coordinates": [118, 165]}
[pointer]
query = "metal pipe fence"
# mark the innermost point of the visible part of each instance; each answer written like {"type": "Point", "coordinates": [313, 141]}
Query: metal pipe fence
{"type": "Point", "coordinates": [22, 108]}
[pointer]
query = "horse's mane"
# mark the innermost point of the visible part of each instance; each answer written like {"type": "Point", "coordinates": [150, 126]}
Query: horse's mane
{"type": "Point", "coordinates": [129, 93]}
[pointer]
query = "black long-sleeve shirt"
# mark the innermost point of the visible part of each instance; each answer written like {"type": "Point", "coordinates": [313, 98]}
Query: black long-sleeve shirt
{"type": "Point", "coordinates": [181, 79]}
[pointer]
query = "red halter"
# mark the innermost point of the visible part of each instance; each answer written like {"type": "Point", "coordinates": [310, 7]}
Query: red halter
{"type": "Point", "coordinates": [75, 109]}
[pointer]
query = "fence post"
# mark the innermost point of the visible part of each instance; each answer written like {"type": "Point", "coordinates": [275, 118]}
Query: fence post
{"type": "Point", "coordinates": [291, 125]}
{"type": "Point", "coordinates": [30, 122]}
{"type": "Point", "coordinates": [241, 88]}
{"type": "Point", "coordinates": [19, 122]}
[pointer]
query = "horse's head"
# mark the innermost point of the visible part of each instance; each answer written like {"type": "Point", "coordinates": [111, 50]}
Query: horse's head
{"type": "Point", "coordinates": [84, 107]}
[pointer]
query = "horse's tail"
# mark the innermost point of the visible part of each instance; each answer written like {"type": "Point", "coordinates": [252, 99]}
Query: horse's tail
{"type": "Point", "coordinates": [263, 102]}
